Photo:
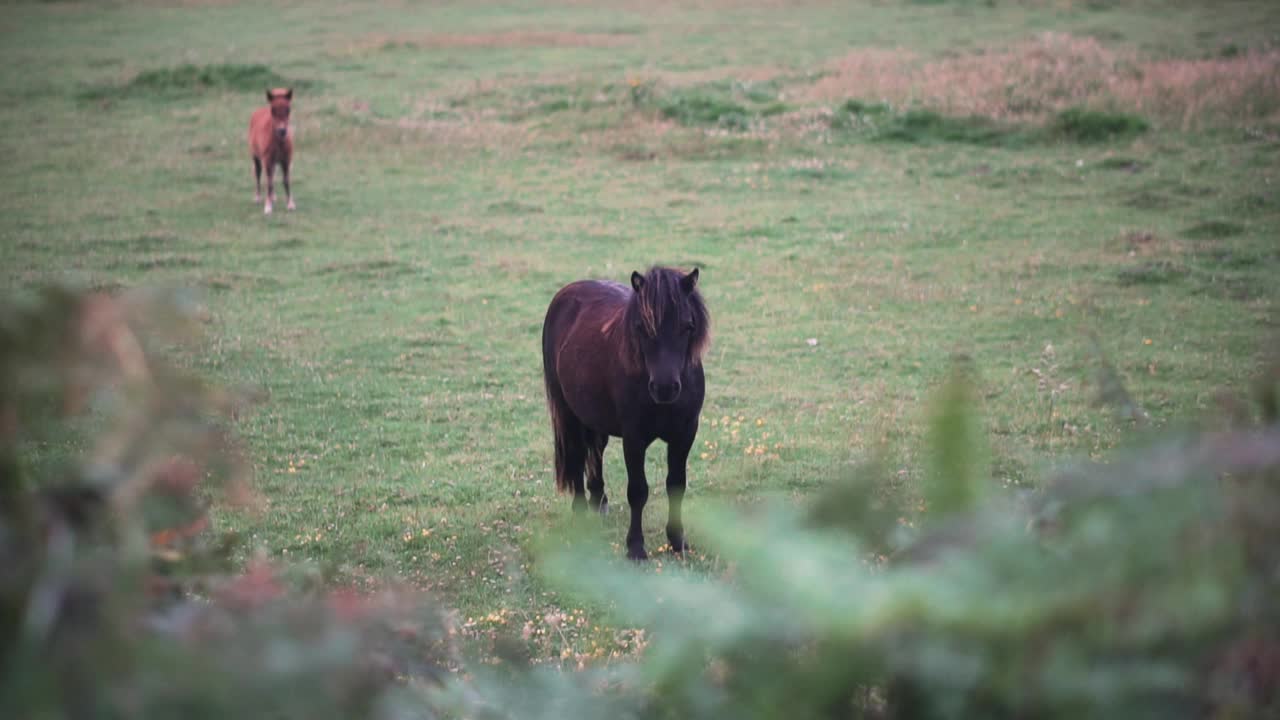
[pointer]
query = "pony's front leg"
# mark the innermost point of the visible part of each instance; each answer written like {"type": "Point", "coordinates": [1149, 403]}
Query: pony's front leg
{"type": "Point", "coordinates": [633, 449]}
{"type": "Point", "coordinates": [677, 464]}
{"type": "Point", "coordinates": [284, 171]}
{"type": "Point", "coordinates": [257, 179]}
{"type": "Point", "coordinates": [271, 186]}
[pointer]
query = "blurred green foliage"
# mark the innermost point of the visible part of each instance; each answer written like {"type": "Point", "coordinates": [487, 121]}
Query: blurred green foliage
{"type": "Point", "coordinates": [116, 600]}
{"type": "Point", "coordinates": [1138, 587]}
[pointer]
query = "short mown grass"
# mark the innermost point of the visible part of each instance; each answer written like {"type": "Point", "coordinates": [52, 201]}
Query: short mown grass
{"type": "Point", "coordinates": [852, 245]}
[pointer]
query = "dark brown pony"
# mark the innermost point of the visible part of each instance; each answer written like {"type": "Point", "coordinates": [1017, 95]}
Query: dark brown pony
{"type": "Point", "coordinates": [626, 362]}
{"type": "Point", "coordinates": [271, 143]}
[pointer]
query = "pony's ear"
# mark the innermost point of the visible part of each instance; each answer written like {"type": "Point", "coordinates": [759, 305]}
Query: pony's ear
{"type": "Point", "coordinates": [690, 281]}
{"type": "Point", "coordinates": [288, 94]}
{"type": "Point", "coordinates": [637, 281]}
{"type": "Point", "coordinates": [270, 97]}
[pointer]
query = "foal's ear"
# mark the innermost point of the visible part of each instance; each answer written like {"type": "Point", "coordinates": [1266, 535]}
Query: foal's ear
{"type": "Point", "coordinates": [637, 281]}
{"type": "Point", "coordinates": [270, 97]}
{"type": "Point", "coordinates": [288, 94]}
{"type": "Point", "coordinates": [688, 282]}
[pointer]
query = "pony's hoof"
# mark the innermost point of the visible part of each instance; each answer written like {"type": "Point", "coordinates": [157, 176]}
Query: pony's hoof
{"type": "Point", "coordinates": [675, 538]}
{"type": "Point", "coordinates": [257, 199]}
{"type": "Point", "coordinates": [292, 206]}
{"type": "Point", "coordinates": [266, 210]}
{"type": "Point", "coordinates": [637, 553]}
{"type": "Point", "coordinates": [603, 507]}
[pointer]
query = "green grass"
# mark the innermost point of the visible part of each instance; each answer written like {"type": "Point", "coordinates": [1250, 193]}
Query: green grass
{"type": "Point", "coordinates": [186, 79]}
{"type": "Point", "coordinates": [729, 105]}
{"type": "Point", "coordinates": [1092, 126]}
{"type": "Point", "coordinates": [447, 189]}
{"type": "Point", "coordinates": [922, 126]}
{"type": "Point", "coordinates": [925, 126]}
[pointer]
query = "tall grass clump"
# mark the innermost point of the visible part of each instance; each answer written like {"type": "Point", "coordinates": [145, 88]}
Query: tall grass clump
{"type": "Point", "coordinates": [925, 126]}
{"type": "Point", "coordinates": [1036, 79]}
{"type": "Point", "coordinates": [728, 105]}
{"type": "Point", "coordinates": [1091, 126]}
{"type": "Point", "coordinates": [1239, 88]}
{"type": "Point", "coordinates": [188, 79]}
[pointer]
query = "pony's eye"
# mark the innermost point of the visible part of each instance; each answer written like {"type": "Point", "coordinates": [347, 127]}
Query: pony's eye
{"type": "Point", "coordinates": [688, 329]}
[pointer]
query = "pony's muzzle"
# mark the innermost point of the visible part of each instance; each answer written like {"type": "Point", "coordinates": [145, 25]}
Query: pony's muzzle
{"type": "Point", "coordinates": [664, 393]}
{"type": "Point", "coordinates": [281, 132]}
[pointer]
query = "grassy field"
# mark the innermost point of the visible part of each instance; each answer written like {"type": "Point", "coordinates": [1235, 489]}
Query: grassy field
{"type": "Point", "coordinates": [458, 162]}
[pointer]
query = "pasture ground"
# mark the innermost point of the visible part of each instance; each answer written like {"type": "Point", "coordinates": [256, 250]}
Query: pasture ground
{"type": "Point", "coordinates": [458, 162]}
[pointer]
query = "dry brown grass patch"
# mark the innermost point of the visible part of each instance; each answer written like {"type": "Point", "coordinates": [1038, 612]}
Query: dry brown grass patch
{"type": "Point", "coordinates": [696, 5]}
{"type": "Point", "coordinates": [1052, 72]}
{"type": "Point", "coordinates": [1145, 243]}
{"type": "Point", "coordinates": [507, 39]}
{"type": "Point", "coordinates": [1191, 92]}
{"type": "Point", "coordinates": [458, 133]}
{"type": "Point", "coordinates": [742, 73]}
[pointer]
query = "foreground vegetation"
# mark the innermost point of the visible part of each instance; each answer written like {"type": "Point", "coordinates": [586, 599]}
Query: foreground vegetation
{"type": "Point", "coordinates": [870, 191]}
{"type": "Point", "coordinates": [1138, 588]}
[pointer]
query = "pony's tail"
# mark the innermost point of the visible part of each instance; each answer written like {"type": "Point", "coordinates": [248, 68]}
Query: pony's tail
{"type": "Point", "coordinates": [556, 407]}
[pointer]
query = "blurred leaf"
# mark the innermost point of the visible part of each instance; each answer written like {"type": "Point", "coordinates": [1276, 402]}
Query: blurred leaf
{"type": "Point", "coordinates": [864, 505]}
{"type": "Point", "coordinates": [958, 473]}
{"type": "Point", "coordinates": [1111, 389]}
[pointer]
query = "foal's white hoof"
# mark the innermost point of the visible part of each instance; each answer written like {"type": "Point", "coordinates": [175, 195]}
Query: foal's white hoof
{"type": "Point", "coordinates": [292, 206]}
{"type": "Point", "coordinates": [267, 210]}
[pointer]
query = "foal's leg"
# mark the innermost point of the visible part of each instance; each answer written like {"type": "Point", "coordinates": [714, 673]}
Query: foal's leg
{"type": "Point", "coordinates": [257, 179]}
{"type": "Point", "coordinates": [633, 449]}
{"type": "Point", "coordinates": [271, 186]}
{"type": "Point", "coordinates": [284, 168]}
{"type": "Point", "coordinates": [677, 464]}
{"type": "Point", "coordinates": [595, 472]}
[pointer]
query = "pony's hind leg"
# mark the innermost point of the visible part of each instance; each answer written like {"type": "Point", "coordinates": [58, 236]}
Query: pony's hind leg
{"type": "Point", "coordinates": [595, 472]}
{"type": "Point", "coordinates": [257, 179]}
{"type": "Point", "coordinates": [575, 460]}
{"type": "Point", "coordinates": [570, 444]}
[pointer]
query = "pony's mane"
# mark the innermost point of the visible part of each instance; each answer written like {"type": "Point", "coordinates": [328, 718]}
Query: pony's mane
{"type": "Point", "coordinates": [660, 295]}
